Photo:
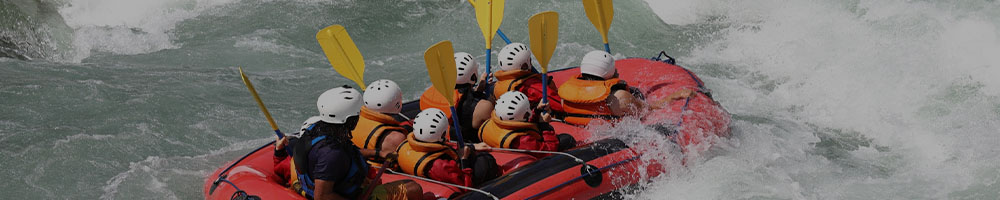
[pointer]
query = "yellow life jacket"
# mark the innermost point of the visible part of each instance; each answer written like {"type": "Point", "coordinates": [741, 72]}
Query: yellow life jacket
{"type": "Point", "coordinates": [416, 157]}
{"type": "Point", "coordinates": [510, 80]}
{"type": "Point", "coordinates": [371, 131]}
{"type": "Point", "coordinates": [433, 99]}
{"type": "Point", "coordinates": [586, 100]}
{"type": "Point", "coordinates": [501, 133]}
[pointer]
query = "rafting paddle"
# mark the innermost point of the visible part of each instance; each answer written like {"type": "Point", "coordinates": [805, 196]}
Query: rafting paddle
{"type": "Point", "coordinates": [499, 33]}
{"type": "Point", "coordinates": [440, 60]}
{"type": "Point", "coordinates": [274, 126]}
{"type": "Point", "coordinates": [543, 29]}
{"type": "Point", "coordinates": [489, 14]}
{"type": "Point", "coordinates": [600, 13]}
{"type": "Point", "coordinates": [342, 53]}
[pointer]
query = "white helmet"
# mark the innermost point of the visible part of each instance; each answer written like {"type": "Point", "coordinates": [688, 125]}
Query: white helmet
{"type": "Point", "coordinates": [514, 56]}
{"type": "Point", "coordinates": [305, 125]}
{"type": "Point", "coordinates": [598, 63]}
{"type": "Point", "coordinates": [513, 105]}
{"type": "Point", "coordinates": [384, 96]}
{"type": "Point", "coordinates": [430, 125]}
{"type": "Point", "coordinates": [467, 68]}
{"type": "Point", "coordinates": [337, 104]}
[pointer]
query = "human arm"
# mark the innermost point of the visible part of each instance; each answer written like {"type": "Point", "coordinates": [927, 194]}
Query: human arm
{"type": "Point", "coordinates": [622, 101]}
{"type": "Point", "coordinates": [391, 142]}
{"type": "Point", "coordinates": [680, 94]}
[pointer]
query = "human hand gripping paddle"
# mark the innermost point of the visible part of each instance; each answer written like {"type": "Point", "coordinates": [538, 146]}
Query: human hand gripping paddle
{"type": "Point", "coordinates": [489, 15]}
{"type": "Point", "coordinates": [347, 61]}
{"type": "Point", "coordinates": [543, 29]}
{"type": "Point", "coordinates": [274, 126]}
{"type": "Point", "coordinates": [600, 13]}
{"type": "Point", "coordinates": [344, 56]}
{"type": "Point", "coordinates": [440, 62]}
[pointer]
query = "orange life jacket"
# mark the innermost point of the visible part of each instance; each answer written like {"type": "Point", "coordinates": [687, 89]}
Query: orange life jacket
{"type": "Point", "coordinates": [586, 100]}
{"type": "Point", "coordinates": [433, 99]}
{"type": "Point", "coordinates": [416, 157]}
{"type": "Point", "coordinates": [371, 131]}
{"type": "Point", "coordinates": [510, 80]}
{"type": "Point", "coordinates": [501, 133]}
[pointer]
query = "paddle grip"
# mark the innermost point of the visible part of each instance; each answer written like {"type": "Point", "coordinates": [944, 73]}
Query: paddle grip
{"type": "Point", "coordinates": [545, 88]}
{"type": "Point", "coordinates": [502, 36]}
{"type": "Point", "coordinates": [279, 134]}
{"type": "Point", "coordinates": [488, 59]}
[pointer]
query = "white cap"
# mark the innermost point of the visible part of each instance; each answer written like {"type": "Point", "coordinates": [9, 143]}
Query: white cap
{"type": "Point", "coordinates": [337, 104]}
{"type": "Point", "coordinates": [598, 63]}
{"type": "Point", "coordinates": [305, 125]}
{"type": "Point", "coordinates": [384, 96]}
{"type": "Point", "coordinates": [514, 106]}
{"type": "Point", "coordinates": [514, 56]}
{"type": "Point", "coordinates": [467, 68]}
{"type": "Point", "coordinates": [430, 125]}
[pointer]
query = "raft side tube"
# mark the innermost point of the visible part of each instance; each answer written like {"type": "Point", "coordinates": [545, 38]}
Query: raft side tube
{"type": "Point", "coordinates": [545, 168]}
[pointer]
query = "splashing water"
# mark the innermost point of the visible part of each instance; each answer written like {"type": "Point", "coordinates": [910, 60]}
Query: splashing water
{"type": "Point", "coordinates": [851, 99]}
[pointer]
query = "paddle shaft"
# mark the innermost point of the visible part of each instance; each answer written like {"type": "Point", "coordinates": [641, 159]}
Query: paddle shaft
{"type": "Point", "coordinates": [260, 104]}
{"type": "Point", "coordinates": [378, 176]}
{"type": "Point", "coordinates": [458, 129]}
{"type": "Point", "coordinates": [502, 36]}
{"type": "Point", "coordinates": [607, 48]}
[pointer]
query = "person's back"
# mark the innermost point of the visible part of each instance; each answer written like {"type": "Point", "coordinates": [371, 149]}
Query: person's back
{"type": "Point", "coordinates": [470, 101]}
{"type": "Point", "coordinates": [425, 154]}
{"type": "Point", "coordinates": [328, 165]}
{"type": "Point", "coordinates": [511, 127]}
{"type": "Point", "coordinates": [596, 93]}
{"type": "Point", "coordinates": [516, 74]}
{"type": "Point", "coordinates": [381, 128]}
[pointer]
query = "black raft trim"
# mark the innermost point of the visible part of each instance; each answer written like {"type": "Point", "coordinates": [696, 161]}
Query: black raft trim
{"type": "Point", "coordinates": [541, 169]}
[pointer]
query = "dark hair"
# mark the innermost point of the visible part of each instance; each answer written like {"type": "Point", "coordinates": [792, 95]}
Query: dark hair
{"type": "Point", "coordinates": [335, 133]}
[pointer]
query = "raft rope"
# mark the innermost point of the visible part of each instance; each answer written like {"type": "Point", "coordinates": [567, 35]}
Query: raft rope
{"type": "Point", "coordinates": [222, 175]}
{"type": "Point", "coordinates": [540, 151]}
{"type": "Point", "coordinates": [612, 165]}
{"type": "Point", "coordinates": [442, 183]}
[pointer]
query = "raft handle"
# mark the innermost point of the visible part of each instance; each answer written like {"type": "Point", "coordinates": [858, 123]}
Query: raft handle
{"type": "Point", "coordinates": [668, 60]}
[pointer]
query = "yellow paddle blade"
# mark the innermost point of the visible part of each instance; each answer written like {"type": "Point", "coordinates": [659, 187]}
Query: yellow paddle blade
{"type": "Point", "coordinates": [489, 14]}
{"type": "Point", "coordinates": [600, 13]}
{"type": "Point", "coordinates": [342, 53]}
{"type": "Point", "coordinates": [543, 35]}
{"type": "Point", "coordinates": [440, 60]}
{"type": "Point", "coordinates": [246, 81]}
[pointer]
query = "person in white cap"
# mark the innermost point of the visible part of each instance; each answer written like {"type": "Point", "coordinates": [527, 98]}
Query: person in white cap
{"type": "Point", "coordinates": [509, 127]}
{"type": "Point", "coordinates": [381, 127]}
{"type": "Point", "coordinates": [471, 101]}
{"type": "Point", "coordinates": [597, 93]}
{"type": "Point", "coordinates": [518, 74]}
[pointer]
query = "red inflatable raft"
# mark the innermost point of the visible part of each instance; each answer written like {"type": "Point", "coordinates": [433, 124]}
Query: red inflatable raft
{"type": "Point", "coordinates": [597, 168]}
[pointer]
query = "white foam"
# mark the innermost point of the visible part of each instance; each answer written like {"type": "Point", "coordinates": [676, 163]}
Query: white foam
{"type": "Point", "coordinates": [917, 78]}
{"type": "Point", "coordinates": [128, 27]}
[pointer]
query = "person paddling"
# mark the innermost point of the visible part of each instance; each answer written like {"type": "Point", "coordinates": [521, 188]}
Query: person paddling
{"type": "Point", "coordinates": [471, 100]}
{"type": "Point", "coordinates": [328, 165]}
{"type": "Point", "coordinates": [512, 126]}
{"type": "Point", "coordinates": [426, 154]}
{"type": "Point", "coordinates": [598, 93]}
{"type": "Point", "coordinates": [282, 163]}
{"type": "Point", "coordinates": [518, 74]}
{"type": "Point", "coordinates": [381, 128]}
